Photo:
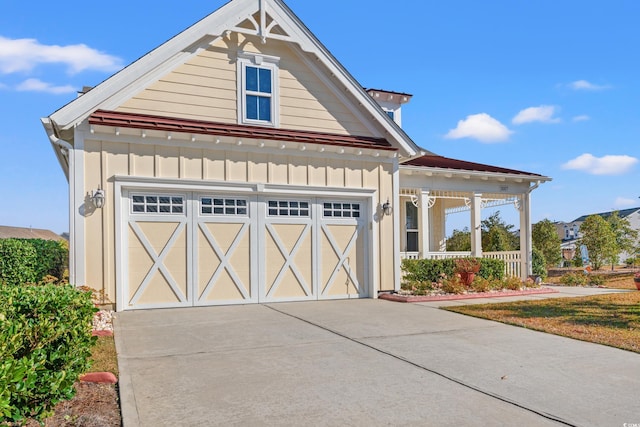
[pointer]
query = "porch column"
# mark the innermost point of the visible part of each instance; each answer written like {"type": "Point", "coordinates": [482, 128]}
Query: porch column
{"type": "Point", "coordinates": [476, 221]}
{"type": "Point", "coordinates": [425, 232]}
{"type": "Point", "coordinates": [525, 235]}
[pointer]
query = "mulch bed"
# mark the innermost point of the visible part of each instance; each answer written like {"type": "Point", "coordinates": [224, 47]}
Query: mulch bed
{"type": "Point", "coordinates": [452, 297]}
{"type": "Point", "coordinates": [94, 405]}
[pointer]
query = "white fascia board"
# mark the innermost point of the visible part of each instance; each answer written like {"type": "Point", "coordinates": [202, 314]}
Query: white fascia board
{"type": "Point", "coordinates": [116, 89]}
{"type": "Point", "coordinates": [460, 173]}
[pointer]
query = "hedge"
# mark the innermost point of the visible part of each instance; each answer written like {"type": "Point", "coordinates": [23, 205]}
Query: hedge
{"type": "Point", "coordinates": [432, 270]}
{"type": "Point", "coordinates": [45, 344]}
{"type": "Point", "coordinates": [30, 260]}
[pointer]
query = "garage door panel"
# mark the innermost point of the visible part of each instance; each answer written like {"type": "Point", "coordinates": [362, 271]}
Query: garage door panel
{"type": "Point", "coordinates": [288, 261]}
{"type": "Point", "coordinates": [159, 291]}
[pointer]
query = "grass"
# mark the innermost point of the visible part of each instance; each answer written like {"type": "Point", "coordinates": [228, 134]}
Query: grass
{"type": "Point", "coordinates": [612, 319]}
{"type": "Point", "coordinates": [104, 357]}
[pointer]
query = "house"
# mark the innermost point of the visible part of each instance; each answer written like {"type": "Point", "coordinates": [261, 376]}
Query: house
{"type": "Point", "coordinates": [239, 162]}
{"type": "Point", "coordinates": [569, 232]}
{"type": "Point", "coordinates": [7, 232]}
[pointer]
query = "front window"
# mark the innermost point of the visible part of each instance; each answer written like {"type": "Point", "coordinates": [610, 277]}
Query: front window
{"type": "Point", "coordinates": [258, 94]}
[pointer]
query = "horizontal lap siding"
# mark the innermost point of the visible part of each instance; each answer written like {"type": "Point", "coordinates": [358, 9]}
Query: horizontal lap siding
{"type": "Point", "coordinates": [104, 160]}
{"type": "Point", "coordinates": [205, 88]}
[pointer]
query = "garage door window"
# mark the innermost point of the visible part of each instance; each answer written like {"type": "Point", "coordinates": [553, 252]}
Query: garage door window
{"type": "Point", "coordinates": [288, 208]}
{"type": "Point", "coordinates": [341, 210]}
{"type": "Point", "coordinates": [141, 203]}
{"type": "Point", "coordinates": [223, 206]}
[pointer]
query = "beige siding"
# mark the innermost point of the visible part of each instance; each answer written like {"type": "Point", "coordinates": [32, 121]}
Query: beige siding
{"type": "Point", "coordinates": [205, 88]}
{"type": "Point", "coordinates": [103, 160]}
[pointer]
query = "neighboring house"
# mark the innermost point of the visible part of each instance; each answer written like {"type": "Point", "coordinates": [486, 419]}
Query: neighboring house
{"type": "Point", "coordinates": [570, 234]}
{"type": "Point", "coordinates": [7, 232]}
{"type": "Point", "coordinates": [239, 162]}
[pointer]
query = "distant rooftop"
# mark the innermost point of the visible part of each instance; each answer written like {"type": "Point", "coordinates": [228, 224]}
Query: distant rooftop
{"type": "Point", "coordinates": [623, 213]}
{"type": "Point", "coordinates": [7, 232]}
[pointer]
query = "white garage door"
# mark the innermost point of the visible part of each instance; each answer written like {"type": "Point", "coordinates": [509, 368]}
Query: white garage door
{"type": "Point", "coordinates": [195, 249]}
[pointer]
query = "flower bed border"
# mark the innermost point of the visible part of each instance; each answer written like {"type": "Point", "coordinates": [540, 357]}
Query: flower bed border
{"type": "Point", "coordinates": [427, 298]}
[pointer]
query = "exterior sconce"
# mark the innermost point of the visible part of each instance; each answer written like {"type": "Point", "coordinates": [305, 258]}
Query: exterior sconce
{"type": "Point", "coordinates": [97, 198]}
{"type": "Point", "coordinates": [386, 208]}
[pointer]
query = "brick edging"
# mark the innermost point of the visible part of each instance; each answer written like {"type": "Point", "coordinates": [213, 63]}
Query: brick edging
{"type": "Point", "coordinates": [427, 298]}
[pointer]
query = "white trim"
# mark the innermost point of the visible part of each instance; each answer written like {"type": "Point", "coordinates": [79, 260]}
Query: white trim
{"type": "Point", "coordinates": [78, 179]}
{"type": "Point", "coordinates": [248, 145]}
{"type": "Point", "coordinates": [396, 227]}
{"type": "Point", "coordinates": [467, 174]}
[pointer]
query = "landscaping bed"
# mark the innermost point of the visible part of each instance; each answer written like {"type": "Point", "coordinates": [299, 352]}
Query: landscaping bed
{"type": "Point", "coordinates": [408, 297]}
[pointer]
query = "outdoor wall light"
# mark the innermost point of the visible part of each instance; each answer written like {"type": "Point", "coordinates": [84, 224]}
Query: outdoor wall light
{"type": "Point", "coordinates": [97, 198]}
{"type": "Point", "coordinates": [386, 208]}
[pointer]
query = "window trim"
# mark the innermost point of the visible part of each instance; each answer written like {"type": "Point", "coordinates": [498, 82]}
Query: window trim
{"type": "Point", "coordinates": [246, 59]}
{"type": "Point", "coordinates": [235, 206]}
{"type": "Point", "coordinates": [289, 208]}
{"type": "Point", "coordinates": [132, 203]}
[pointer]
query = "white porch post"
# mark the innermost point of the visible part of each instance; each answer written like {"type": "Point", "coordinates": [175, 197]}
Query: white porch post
{"type": "Point", "coordinates": [425, 232]}
{"type": "Point", "coordinates": [525, 235]}
{"type": "Point", "coordinates": [476, 220]}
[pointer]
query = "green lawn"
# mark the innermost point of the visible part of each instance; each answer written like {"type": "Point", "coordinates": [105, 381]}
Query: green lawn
{"type": "Point", "coordinates": [612, 319]}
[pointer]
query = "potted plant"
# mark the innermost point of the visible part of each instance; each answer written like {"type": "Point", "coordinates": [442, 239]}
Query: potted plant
{"type": "Point", "coordinates": [467, 268]}
{"type": "Point", "coordinates": [636, 279]}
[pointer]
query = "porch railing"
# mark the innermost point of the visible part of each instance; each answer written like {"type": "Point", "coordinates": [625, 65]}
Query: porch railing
{"type": "Point", "coordinates": [512, 262]}
{"type": "Point", "coordinates": [512, 259]}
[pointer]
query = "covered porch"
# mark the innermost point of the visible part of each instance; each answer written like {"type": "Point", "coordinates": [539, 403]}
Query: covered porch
{"type": "Point", "coordinates": [433, 187]}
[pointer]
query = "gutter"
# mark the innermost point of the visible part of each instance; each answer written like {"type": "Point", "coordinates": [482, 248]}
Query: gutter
{"type": "Point", "coordinates": [61, 147]}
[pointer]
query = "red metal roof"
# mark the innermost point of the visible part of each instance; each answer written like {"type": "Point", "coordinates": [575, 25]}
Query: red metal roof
{"type": "Point", "coordinates": [433, 161]}
{"type": "Point", "coordinates": [150, 122]}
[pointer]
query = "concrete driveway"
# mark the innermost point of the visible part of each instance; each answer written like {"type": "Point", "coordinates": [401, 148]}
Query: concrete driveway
{"type": "Point", "coordinates": [362, 362]}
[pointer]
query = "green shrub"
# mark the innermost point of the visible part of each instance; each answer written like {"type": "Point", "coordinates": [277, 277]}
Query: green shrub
{"type": "Point", "coordinates": [480, 284]}
{"type": "Point", "coordinates": [574, 279]}
{"type": "Point", "coordinates": [45, 344]}
{"type": "Point", "coordinates": [434, 270]}
{"type": "Point", "coordinates": [52, 258]}
{"type": "Point", "coordinates": [539, 264]}
{"type": "Point", "coordinates": [512, 283]}
{"type": "Point", "coordinates": [596, 279]}
{"type": "Point", "coordinates": [491, 268]}
{"type": "Point", "coordinates": [18, 262]}
{"type": "Point", "coordinates": [453, 285]}
{"type": "Point", "coordinates": [30, 260]}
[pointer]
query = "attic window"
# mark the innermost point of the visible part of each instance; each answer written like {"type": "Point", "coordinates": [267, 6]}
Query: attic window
{"type": "Point", "coordinates": [257, 89]}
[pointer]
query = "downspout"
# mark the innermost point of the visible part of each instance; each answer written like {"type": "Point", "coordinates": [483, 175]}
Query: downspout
{"type": "Point", "coordinates": [64, 152]}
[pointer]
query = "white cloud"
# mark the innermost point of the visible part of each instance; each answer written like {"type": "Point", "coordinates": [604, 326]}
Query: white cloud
{"type": "Point", "coordinates": [23, 55]}
{"type": "Point", "coordinates": [3, 86]}
{"type": "Point", "coordinates": [622, 202]}
{"type": "Point", "coordinates": [606, 165]}
{"type": "Point", "coordinates": [543, 114]}
{"type": "Point", "coordinates": [582, 118]}
{"type": "Point", "coordinates": [482, 127]}
{"type": "Point", "coordinates": [585, 85]}
{"type": "Point", "coordinates": [35, 85]}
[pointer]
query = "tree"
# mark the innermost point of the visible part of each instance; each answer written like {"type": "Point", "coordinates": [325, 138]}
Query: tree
{"type": "Point", "coordinates": [546, 240]}
{"type": "Point", "coordinates": [625, 236]}
{"type": "Point", "coordinates": [460, 241]}
{"type": "Point", "coordinates": [599, 239]}
{"type": "Point", "coordinates": [497, 235]}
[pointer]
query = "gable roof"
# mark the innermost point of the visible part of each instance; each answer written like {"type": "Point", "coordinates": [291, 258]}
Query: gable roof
{"type": "Point", "coordinates": [441, 162]}
{"type": "Point", "coordinates": [621, 213]}
{"type": "Point", "coordinates": [284, 25]}
{"type": "Point", "coordinates": [7, 232]}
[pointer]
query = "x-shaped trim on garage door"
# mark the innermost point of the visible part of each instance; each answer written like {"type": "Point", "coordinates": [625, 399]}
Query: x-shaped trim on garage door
{"type": "Point", "coordinates": [289, 258]}
{"type": "Point", "coordinates": [224, 261]}
{"type": "Point", "coordinates": [158, 262]}
{"type": "Point", "coordinates": [343, 258]}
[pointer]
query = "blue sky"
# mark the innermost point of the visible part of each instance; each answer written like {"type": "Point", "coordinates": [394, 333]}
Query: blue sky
{"type": "Point", "coordinates": [543, 86]}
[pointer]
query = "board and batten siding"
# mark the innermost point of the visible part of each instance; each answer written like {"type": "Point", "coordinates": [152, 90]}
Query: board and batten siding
{"type": "Point", "coordinates": [105, 159]}
{"type": "Point", "coordinates": [205, 88]}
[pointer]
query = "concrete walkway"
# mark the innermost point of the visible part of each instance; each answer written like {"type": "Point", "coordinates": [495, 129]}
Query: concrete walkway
{"type": "Point", "coordinates": [362, 363]}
